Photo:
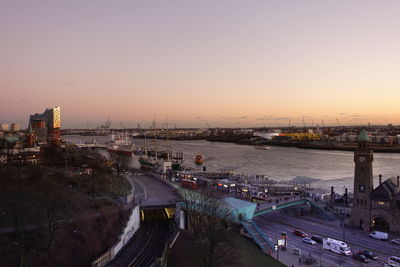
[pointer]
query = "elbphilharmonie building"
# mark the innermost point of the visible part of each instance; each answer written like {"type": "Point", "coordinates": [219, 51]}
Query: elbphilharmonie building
{"type": "Point", "coordinates": [47, 125]}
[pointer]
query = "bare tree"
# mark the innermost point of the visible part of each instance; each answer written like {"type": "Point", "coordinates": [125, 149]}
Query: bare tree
{"type": "Point", "coordinates": [209, 219]}
{"type": "Point", "coordinates": [120, 162]}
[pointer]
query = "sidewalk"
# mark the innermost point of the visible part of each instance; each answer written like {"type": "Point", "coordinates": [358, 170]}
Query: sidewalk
{"type": "Point", "coordinates": [288, 258]}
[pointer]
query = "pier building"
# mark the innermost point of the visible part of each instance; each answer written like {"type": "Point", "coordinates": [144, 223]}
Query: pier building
{"type": "Point", "coordinates": [377, 208]}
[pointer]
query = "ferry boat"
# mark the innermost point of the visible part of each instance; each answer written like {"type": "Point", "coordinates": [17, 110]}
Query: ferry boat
{"type": "Point", "coordinates": [120, 145]}
{"type": "Point", "coordinates": [199, 159]}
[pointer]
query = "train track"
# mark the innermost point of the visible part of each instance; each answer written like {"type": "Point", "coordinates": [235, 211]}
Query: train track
{"type": "Point", "coordinates": [148, 244]}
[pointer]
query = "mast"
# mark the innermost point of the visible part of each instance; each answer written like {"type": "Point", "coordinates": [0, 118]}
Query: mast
{"type": "Point", "coordinates": [145, 144]}
{"type": "Point", "coordinates": [169, 148]}
{"type": "Point", "coordinates": [155, 140]}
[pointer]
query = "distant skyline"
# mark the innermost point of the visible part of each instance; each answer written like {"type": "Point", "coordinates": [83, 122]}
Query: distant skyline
{"type": "Point", "coordinates": [226, 63]}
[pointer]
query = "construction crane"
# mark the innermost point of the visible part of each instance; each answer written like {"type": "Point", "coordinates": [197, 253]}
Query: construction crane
{"type": "Point", "coordinates": [105, 127]}
{"type": "Point", "coordinates": [122, 125]}
{"type": "Point", "coordinates": [337, 120]}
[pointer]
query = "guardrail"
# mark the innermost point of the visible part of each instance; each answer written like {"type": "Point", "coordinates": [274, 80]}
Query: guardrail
{"type": "Point", "coordinates": [129, 230]}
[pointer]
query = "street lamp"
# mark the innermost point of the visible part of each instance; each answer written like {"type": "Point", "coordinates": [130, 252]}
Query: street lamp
{"type": "Point", "coordinates": [344, 213]}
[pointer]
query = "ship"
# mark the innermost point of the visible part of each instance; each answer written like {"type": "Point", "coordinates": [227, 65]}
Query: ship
{"type": "Point", "coordinates": [155, 159]}
{"type": "Point", "coordinates": [120, 145]}
{"type": "Point", "coordinates": [199, 159]}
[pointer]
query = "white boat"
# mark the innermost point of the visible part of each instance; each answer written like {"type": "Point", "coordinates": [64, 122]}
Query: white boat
{"type": "Point", "coordinates": [262, 147]}
{"type": "Point", "coordinates": [120, 144]}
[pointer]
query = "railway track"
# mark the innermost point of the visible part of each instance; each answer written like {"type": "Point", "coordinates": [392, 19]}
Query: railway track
{"type": "Point", "coordinates": [148, 244]}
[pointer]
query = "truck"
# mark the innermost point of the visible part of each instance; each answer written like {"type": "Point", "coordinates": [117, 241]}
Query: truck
{"type": "Point", "coordinates": [336, 246]}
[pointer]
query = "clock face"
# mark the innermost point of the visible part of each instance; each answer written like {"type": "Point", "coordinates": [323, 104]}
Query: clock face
{"type": "Point", "coordinates": [362, 159]}
{"type": "Point", "coordinates": [361, 188]}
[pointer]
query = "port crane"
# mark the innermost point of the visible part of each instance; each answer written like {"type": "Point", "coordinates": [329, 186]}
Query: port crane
{"type": "Point", "coordinates": [122, 125]}
{"type": "Point", "coordinates": [337, 120]}
{"type": "Point", "coordinates": [304, 124]}
{"type": "Point", "coordinates": [104, 129]}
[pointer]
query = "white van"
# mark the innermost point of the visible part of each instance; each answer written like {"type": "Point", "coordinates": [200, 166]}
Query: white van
{"type": "Point", "coordinates": [336, 246]}
{"type": "Point", "coordinates": [379, 235]}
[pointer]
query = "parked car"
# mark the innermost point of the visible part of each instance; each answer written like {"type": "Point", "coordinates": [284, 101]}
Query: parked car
{"type": "Point", "coordinates": [317, 239]}
{"type": "Point", "coordinates": [357, 255]}
{"type": "Point", "coordinates": [309, 241]}
{"type": "Point", "coordinates": [369, 255]}
{"type": "Point", "coordinates": [300, 233]}
{"type": "Point", "coordinates": [395, 241]}
{"type": "Point", "coordinates": [379, 235]}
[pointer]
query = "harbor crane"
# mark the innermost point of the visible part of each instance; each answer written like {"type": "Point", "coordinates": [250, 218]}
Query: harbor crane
{"type": "Point", "coordinates": [337, 120]}
{"type": "Point", "coordinates": [104, 129]}
{"type": "Point", "coordinates": [123, 126]}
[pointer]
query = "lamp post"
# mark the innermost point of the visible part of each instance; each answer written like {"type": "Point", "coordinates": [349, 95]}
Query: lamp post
{"type": "Point", "coordinates": [344, 212]}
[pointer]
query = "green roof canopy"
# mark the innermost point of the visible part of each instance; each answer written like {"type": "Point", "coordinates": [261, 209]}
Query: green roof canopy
{"type": "Point", "coordinates": [363, 137]}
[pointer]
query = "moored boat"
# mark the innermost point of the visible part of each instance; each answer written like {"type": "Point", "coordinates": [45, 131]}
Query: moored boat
{"type": "Point", "coordinates": [262, 147]}
{"type": "Point", "coordinates": [120, 145]}
{"type": "Point", "coordinates": [199, 159]}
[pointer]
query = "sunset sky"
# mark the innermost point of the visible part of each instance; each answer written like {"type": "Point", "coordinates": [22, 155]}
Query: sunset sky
{"type": "Point", "coordinates": [228, 63]}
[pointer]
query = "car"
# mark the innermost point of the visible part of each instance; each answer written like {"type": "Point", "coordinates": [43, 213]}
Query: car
{"type": "Point", "coordinates": [369, 255]}
{"type": "Point", "coordinates": [309, 241]}
{"type": "Point", "coordinates": [317, 239]}
{"type": "Point", "coordinates": [300, 233]}
{"type": "Point", "coordinates": [357, 255]}
{"type": "Point", "coordinates": [379, 235]}
{"type": "Point", "coordinates": [394, 259]}
{"type": "Point", "coordinates": [395, 241]}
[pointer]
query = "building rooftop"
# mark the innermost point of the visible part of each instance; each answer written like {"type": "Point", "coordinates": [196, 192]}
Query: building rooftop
{"type": "Point", "coordinates": [363, 136]}
{"type": "Point", "coordinates": [238, 204]}
{"type": "Point", "coordinates": [386, 190]}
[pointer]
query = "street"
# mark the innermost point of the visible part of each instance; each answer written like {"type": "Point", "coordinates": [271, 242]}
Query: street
{"type": "Point", "coordinates": [274, 223]}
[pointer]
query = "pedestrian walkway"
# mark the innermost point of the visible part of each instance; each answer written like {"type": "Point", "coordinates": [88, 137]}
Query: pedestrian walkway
{"type": "Point", "coordinates": [258, 236]}
{"type": "Point", "coordinates": [288, 258]}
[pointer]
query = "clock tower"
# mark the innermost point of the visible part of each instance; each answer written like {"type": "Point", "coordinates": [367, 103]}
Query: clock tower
{"type": "Point", "coordinates": [363, 183]}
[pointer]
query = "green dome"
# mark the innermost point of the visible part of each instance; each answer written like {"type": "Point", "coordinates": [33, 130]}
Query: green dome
{"type": "Point", "coordinates": [363, 137]}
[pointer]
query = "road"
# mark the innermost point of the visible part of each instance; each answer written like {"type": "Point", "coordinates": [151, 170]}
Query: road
{"type": "Point", "coordinates": [150, 191]}
{"type": "Point", "coordinates": [274, 223]}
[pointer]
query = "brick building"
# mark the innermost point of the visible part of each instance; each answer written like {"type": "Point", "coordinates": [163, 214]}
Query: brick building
{"type": "Point", "coordinates": [378, 208]}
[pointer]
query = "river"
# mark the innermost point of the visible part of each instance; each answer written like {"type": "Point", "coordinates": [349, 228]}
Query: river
{"type": "Point", "coordinates": [334, 168]}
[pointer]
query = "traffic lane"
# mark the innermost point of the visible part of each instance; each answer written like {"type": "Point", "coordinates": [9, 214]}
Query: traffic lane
{"type": "Point", "coordinates": [275, 228]}
{"type": "Point", "coordinates": [315, 250]}
{"type": "Point", "coordinates": [351, 237]}
{"type": "Point", "coordinates": [296, 242]}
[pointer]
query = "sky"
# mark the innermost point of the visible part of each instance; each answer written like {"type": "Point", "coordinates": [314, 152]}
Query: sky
{"type": "Point", "coordinates": [224, 63]}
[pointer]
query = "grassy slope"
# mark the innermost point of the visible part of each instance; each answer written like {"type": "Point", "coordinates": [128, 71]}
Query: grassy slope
{"type": "Point", "coordinates": [250, 255]}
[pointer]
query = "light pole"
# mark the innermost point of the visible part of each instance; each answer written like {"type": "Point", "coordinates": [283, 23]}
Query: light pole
{"type": "Point", "coordinates": [344, 212]}
{"type": "Point", "coordinates": [320, 265]}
